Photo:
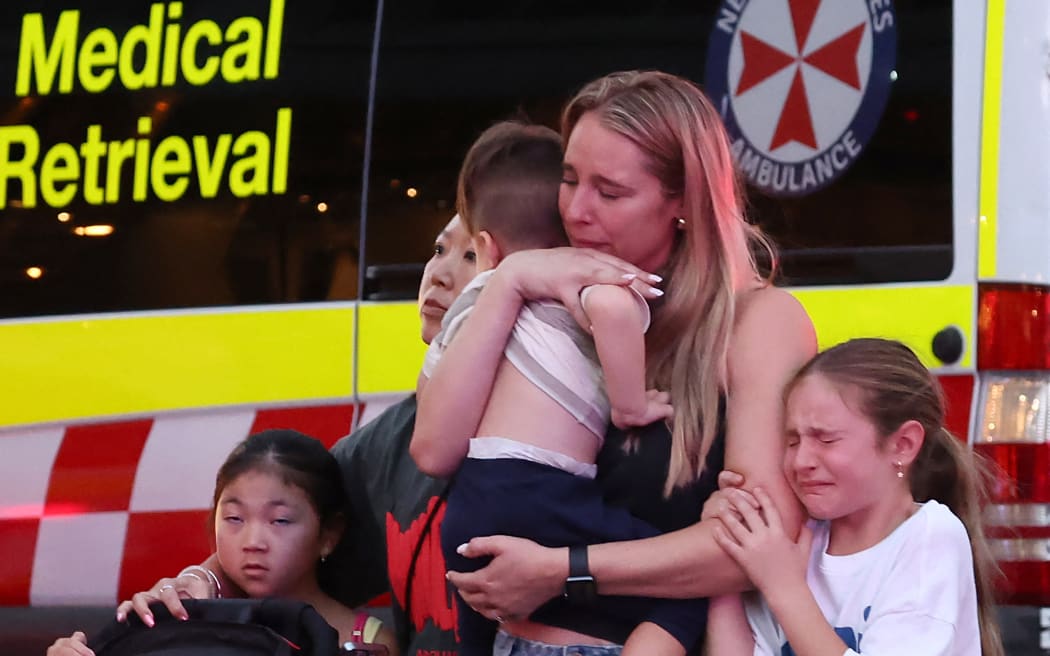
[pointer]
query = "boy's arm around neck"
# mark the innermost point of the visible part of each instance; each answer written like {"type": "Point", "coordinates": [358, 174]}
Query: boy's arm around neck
{"type": "Point", "coordinates": [619, 318]}
{"type": "Point", "coordinates": [453, 400]}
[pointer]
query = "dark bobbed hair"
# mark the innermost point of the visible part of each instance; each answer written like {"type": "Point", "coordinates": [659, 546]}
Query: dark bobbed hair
{"type": "Point", "coordinates": [508, 186]}
{"type": "Point", "coordinates": [892, 387]}
{"type": "Point", "coordinates": [298, 459]}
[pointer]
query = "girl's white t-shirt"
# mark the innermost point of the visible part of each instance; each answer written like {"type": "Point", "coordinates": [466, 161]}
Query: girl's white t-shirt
{"type": "Point", "coordinates": [913, 593]}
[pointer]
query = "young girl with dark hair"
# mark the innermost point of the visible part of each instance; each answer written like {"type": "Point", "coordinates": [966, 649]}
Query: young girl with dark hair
{"type": "Point", "coordinates": [278, 512]}
{"type": "Point", "coordinates": [894, 560]}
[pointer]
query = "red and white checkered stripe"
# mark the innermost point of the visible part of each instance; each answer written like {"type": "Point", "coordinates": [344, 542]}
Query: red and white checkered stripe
{"type": "Point", "coordinates": [90, 514]}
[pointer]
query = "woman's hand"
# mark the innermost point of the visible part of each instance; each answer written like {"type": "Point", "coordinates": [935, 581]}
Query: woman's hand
{"type": "Point", "coordinates": [521, 577]}
{"type": "Point", "coordinates": [561, 273]}
{"type": "Point", "coordinates": [171, 592]}
{"type": "Point", "coordinates": [74, 645]}
{"type": "Point", "coordinates": [756, 540]}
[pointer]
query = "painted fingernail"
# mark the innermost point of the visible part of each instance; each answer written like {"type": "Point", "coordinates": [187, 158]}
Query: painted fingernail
{"type": "Point", "coordinates": [656, 292]}
{"type": "Point", "coordinates": [184, 616]}
{"type": "Point", "coordinates": [148, 620]}
{"type": "Point", "coordinates": [462, 549]}
{"type": "Point", "coordinates": [655, 278]}
{"type": "Point", "coordinates": [630, 276]}
{"type": "Point", "coordinates": [120, 617]}
{"type": "Point", "coordinates": [448, 575]}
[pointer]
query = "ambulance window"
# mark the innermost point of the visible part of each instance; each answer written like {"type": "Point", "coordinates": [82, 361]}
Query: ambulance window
{"type": "Point", "coordinates": [448, 70]}
{"type": "Point", "coordinates": [161, 179]}
{"type": "Point", "coordinates": [878, 207]}
{"type": "Point", "coordinates": [888, 217]}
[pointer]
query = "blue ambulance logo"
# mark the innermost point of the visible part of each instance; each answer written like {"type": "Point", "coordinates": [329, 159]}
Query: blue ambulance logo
{"type": "Point", "coordinates": [801, 84]}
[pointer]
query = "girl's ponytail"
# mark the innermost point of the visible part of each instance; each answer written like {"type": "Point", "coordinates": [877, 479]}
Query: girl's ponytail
{"type": "Point", "coordinates": [949, 472]}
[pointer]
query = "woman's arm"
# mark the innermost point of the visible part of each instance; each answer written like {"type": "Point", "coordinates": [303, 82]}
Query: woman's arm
{"type": "Point", "coordinates": [446, 422]}
{"type": "Point", "coordinates": [686, 563]}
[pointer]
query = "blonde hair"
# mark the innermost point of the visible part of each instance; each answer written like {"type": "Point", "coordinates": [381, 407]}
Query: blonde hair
{"type": "Point", "coordinates": [895, 387]}
{"type": "Point", "coordinates": [687, 149]}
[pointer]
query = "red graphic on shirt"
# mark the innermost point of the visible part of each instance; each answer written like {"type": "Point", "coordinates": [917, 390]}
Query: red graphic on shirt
{"type": "Point", "coordinates": [431, 596]}
{"type": "Point", "coordinates": [837, 58]}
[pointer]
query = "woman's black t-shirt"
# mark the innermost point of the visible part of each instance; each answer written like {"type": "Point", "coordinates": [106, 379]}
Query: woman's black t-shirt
{"type": "Point", "coordinates": [632, 475]}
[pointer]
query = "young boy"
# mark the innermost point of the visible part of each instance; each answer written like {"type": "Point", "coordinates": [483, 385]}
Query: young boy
{"type": "Point", "coordinates": [530, 470]}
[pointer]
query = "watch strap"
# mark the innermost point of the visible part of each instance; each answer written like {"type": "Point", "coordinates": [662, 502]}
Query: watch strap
{"type": "Point", "coordinates": [578, 566]}
{"type": "Point", "coordinates": [580, 588]}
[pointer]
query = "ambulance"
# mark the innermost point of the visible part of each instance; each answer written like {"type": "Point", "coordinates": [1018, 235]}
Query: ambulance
{"type": "Point", "coordinates": [213, 218]}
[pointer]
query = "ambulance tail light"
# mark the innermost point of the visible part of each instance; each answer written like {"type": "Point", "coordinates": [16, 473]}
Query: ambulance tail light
{"type": "Point", "coordinates": [1013, 327]}
{"type": "Point", "coordinates": [1012, 430]}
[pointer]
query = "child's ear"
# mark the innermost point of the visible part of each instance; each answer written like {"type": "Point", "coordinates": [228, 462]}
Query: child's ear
{"type": "Point", "coordinates": [488, 252]}
{"type": "Point", "coordinates": [906, 442]}
{"type": "Point", "coordinates": [331, 533]}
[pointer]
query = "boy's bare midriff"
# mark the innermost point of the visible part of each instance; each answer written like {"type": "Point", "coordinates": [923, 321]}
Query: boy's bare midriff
{"type": "Point", "coordinates": [520, 411]}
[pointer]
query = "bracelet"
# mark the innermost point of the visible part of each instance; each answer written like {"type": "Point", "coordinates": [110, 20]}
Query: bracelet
{"type": "Point", "coordinates": [191, 575]}
{"type": "Point", "coordinates": [213, 580]}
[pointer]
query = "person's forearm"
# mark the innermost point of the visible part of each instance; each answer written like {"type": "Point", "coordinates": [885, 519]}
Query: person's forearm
{"type": "Point", "coordinates": [445, 422]}
{"type": "Point", "coordinates": [620, 343]}
{"type": "Point", "coordinates": [804, 625]}
{"type": "Point", "coordinates": [678, 565]}
{"type": "Point", "coordinates": [728, 631]}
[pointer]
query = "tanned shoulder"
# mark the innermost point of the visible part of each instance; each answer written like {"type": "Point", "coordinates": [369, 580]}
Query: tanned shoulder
{"type": "Point", "coordinates": [771, 328]}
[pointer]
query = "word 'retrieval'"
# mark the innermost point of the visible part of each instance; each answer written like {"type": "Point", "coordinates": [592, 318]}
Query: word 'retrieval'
{"type": "Point", "coordinates": [252, 163]}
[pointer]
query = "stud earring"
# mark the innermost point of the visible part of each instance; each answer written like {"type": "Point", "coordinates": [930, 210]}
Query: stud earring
{"type": "Point", "coordinates": [681, 223]}
{"type": "Point", "coordinates": [900, 469]}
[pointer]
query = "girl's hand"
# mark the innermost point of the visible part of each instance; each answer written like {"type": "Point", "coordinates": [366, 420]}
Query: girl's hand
{"type": "Point", "coordinates": [75, 645]}
{"type": "Point", "coordinates": [719, 504]}
{"type": "Point", "coordinates": [757, 542]}
{"type": "Point", "coordinates": [561, 273]}
{"type": "Point", "coordinates": [171, 592]}
{"type": "Point", "coordinates": [657, 407]}
{"type": "Point", "coordinates": [521, 577]}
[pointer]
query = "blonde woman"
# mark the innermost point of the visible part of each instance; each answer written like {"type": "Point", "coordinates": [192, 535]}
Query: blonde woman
{"type": "Point", "coordinates": [649, 194]}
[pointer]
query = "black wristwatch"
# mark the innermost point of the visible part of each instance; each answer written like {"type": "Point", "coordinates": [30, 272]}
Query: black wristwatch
{"type": "Point", "coordinates": [580, 588]}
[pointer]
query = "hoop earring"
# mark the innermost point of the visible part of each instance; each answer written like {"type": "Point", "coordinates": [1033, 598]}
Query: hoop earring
{"type": "Point", "coordinates": [900, 469]}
